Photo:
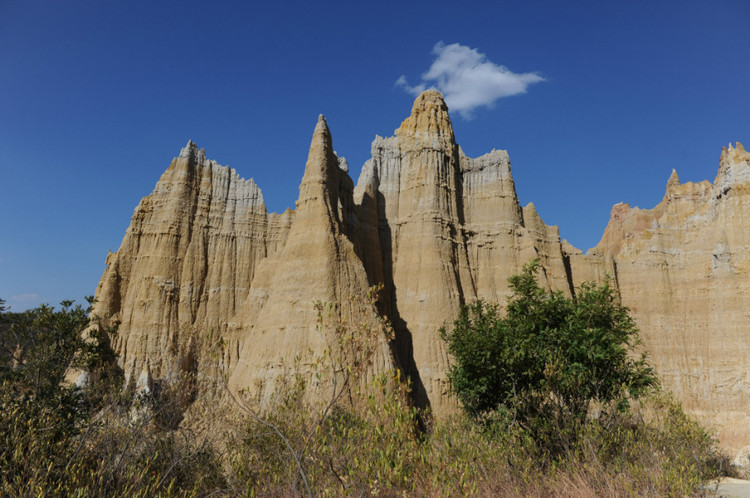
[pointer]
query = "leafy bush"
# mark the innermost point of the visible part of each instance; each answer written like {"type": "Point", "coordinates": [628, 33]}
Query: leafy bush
{"type": "Point", "coordinates": [39, 414]}
{"type": "Point", "coordinates": [550, 359]}
{"type": "Point", "coordinates": [59, 439]}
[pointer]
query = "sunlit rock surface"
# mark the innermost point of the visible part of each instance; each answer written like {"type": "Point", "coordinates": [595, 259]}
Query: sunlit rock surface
{"type": "Point", "coordinates": [683, 268]}
{"type": "Point", "coordinates": [207, 281]}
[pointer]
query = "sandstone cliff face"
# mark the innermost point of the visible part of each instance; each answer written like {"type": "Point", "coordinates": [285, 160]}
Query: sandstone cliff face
{"type": "Point", "coordinates": [452, 230]}
{"type": "Point", "coordinates": [438, 229]}
{"type": "Point", "coordinates": [201, 254]}
{"type": "Point", "coordinates": [319, 262]}
{"type": "Point", "coordinates": [683, 268]}
{"type": "Point", "coordinates": [186, 260]}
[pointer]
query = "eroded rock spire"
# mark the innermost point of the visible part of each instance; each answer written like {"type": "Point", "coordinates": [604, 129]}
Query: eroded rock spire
{"type": "Point", "coordinates": [429, 124]}
{"type": "Point", "coordinates": [439, 229]}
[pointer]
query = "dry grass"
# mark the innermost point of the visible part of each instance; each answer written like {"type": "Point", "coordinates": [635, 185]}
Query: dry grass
{"type": "Point", "coordinates": [362, 438]}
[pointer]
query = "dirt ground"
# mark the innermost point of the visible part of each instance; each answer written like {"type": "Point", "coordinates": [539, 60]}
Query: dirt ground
{"type": "Point", "coordinates": [728, 487]}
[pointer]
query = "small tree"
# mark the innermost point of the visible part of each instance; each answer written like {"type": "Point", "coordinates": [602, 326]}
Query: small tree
{"type": "Point", "coordinates": [39, 413]}
{"type": "Point", "coordinates": [549, 358]}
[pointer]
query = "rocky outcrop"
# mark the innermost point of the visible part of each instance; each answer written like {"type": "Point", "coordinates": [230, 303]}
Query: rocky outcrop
{"type": "Point", "coordinates": [186, 261]}
{"type": "Point", "coordinates": [683, 268]}
{"type": "Point", "coordinates": [202, 256]}
{"type": "Point", "coordinates": [437, 229]}
{"type": "Point", "coordinates": [452, 230]}
{"type": "Point", "coordinates": [318, 263]}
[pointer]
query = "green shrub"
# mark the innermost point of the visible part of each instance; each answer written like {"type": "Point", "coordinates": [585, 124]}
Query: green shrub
{"type": "Point", "coordinates": [57, 439]}
{"type": "Point", "coordinates": [549, 360]}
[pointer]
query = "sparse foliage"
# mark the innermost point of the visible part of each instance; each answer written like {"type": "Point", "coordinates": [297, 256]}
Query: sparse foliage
{"type": "Point", "coordinates": [316, 427]}
{"type": "Point", "coordinates": [59, 439]}
{"type": "Point", "coordinates": [362, 437]}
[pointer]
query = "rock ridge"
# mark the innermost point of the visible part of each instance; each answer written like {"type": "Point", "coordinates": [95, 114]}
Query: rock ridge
{"type": "Point", "coordinates": [437, 229]}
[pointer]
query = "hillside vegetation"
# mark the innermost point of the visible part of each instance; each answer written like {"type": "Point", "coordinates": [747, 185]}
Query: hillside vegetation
{"type": "Point", "coordinates": [556, 404]}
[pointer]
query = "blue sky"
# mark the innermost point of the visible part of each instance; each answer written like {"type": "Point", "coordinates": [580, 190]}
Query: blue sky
{"type": "Point", "coordinates": [97, 97]}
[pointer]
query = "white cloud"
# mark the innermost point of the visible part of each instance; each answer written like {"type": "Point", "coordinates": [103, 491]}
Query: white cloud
{"type": "Point", "coordinates": [467, 79]}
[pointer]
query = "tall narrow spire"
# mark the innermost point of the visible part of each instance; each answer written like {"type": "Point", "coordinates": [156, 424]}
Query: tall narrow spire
{"type": "Point", "coordinates": [320, 180]}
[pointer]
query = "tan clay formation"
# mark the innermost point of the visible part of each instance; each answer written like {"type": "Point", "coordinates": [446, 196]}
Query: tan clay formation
{"type": "Point", "coordinates": [438, 229]}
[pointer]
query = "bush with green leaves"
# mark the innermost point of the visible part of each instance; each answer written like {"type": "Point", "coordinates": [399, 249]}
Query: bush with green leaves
{"type": "Point", "coordinates": [550, 359]}
{"type": "Point", "coordinates": [39, 414]}
{"type": "Point", "coordinates": [60, 439]}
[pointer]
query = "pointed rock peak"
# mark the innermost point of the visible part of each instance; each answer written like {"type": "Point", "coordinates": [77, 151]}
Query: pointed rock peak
{"type": "Point", "coordinates": [322, 164]}
{"type": "Point", "coordinates": [429, 98]}
{"type": "Point", "coordinates": [734, 168]}
{"type": "Point", "coordinates": [672, 185]}
{"type": "Point", "coordinates": [321, 140]}
{"type": "Point", "coordinates": [674, 180]}
{"type": "Point", "coordinates": [188, 149]}
{"type": "Point", "coordinates": [322, 125]}
{"type": "Point", "coordinates": [530, 216]}
{"type": "Point", "coordinates": [735, 153]}
{"type": "Point", "coordinates": [725, 152]}
{"type": "Point", "coordinates": [191, 152]}
{"type": "Point", "coordinates": [343, 163]}
{"type": "Point", "coordinates": [368, 181]}
{"type": "Point", "coordinates": [429, 119]}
